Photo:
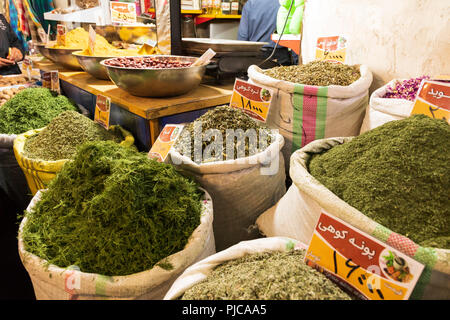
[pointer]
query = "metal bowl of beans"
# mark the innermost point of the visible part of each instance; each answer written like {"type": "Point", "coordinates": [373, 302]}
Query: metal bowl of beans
{"type": "Point", "coordinates": [156, 75]}
{"type": "Point", "coordinates": [42, 50]}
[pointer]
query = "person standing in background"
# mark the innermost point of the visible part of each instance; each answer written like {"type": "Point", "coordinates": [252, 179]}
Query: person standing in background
{"type": "Point", "coordinates": [258, 22]}
{"type": "Point", "coordinates": [11, 50]}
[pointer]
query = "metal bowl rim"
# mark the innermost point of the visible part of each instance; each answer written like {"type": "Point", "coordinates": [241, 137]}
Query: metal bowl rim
{"type": "Point", "coordinates": [152, 69]}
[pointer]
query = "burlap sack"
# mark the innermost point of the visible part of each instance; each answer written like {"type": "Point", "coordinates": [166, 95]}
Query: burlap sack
{"type": "Point", "coordinates": [55, 283]}
{"type": "Point", "coordinates": [304, 113]}
{"type": "Point", "coordinates": [239, 188]}
{"type": "Point", "coordinates": [200, 271]}
{"type": "Point", "coordinates": [300, 209]}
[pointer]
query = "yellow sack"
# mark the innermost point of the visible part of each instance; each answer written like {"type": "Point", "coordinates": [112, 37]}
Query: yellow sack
{"type": "Point", "coordinates": [40, 172]}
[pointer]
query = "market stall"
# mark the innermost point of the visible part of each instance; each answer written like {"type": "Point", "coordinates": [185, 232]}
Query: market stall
{"type": "Point", "coordinates": [159, 167]}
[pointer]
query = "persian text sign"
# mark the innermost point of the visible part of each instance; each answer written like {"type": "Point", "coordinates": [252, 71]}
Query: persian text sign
{"type": "Point", "coordinates": [50, 80]}
{"type": "Point", "coordinates": [166, 139]}
{"type": "Point", "coordinates": [103, 111]}
{"type": "Point", "coordinates": [433, 100]}
{"type": "Point", "coordinates": [123, 12]}
{"type": "Point", "coordinates": [367, 266]}
{"type": "Point", "coordinates": [61, 35]}
{"type": "Point", "coordinates": [331, 49]}
{"type": "Point", "coordinates": [252, 99]}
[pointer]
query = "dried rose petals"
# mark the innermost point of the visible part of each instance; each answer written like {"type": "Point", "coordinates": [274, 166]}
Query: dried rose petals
{"type": "Point", "coordinates": [406, 89]}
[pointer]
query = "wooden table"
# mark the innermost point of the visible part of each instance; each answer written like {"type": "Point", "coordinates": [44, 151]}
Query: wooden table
{"type": "Point", "coordinates": [150, 109]}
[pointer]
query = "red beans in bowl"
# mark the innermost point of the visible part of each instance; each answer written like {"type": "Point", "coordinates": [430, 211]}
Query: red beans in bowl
{"type": "Point", "coordinates": [147, 63]}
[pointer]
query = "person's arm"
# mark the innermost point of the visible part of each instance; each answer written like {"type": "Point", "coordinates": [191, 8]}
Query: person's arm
{"type": "Point", "coordinates": [243, 25]}
{"type": "Point", "coordinates": [18, 53]}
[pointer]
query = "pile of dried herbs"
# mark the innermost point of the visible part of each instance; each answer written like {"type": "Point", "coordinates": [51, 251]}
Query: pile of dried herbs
{"type": "Point", "coordinates": [113, 211]}
{"type": "Point", "coordinates": [396, 174]}
{"type": "Point", "coordinates": [225, 127]}
{"type": "Point", "coordinates": [59, 140]}
{"type": "Point", "coordinates": [266, 276]}
{"type": "Point", "coordinates": [317, 73]}
{"type": "Point", "coordinates": [32, 108]}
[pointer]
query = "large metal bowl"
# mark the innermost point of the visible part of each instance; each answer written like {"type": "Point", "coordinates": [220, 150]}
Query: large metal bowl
{"type": "Point", "coordinates": [157, 82]}
{"type": "Point", "coordinates": [65, 58]}
{"type": "Point", "coordinates": [42, 50]}
{"type": "Point", "coordinates": [92, 65]}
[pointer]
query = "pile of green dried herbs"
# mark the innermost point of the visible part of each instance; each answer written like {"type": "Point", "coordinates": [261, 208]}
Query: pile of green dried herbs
{"type": "Point", "coordinates": [32, 108]}
{"type": "Point", "coordinates": [113, 211]}
{"type": "Point", "coordinates": [317, 73]}
{"type": "Point", "coordinates": [396, 174]}
{"type": "Point", "coordinates": [232, 145]}
{"type": "Point", "coordinates": [266, 276]}
{"type": "Point", "coordinates": [60, 138]}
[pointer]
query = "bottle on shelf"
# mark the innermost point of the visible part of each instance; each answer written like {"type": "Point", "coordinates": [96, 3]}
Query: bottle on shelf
{"type": "Point", "coordinates": [210, 7]}
{"type": "Point", "coordinates": [205, 6]}
{"type": "Point", "coordinates": [226, 6]}
{"type": "Point", "coordinates": [217, 7]}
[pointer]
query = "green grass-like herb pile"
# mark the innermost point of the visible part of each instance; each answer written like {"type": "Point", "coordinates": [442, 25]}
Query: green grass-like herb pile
{"type": "Point", "coordinates": [113, 211]}
{"type": "Point", "coordinates": [32, 108]}
{"type": "Point", "coordinates": [397, 174]}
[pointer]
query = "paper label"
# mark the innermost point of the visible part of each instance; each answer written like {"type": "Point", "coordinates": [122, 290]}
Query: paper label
{"type": "Point", "coordinates": [50, 80]}
{"type": "Point", "coordinates": [166, 139]}
{"type": "Point", "coordinates": [91, 41]}
{"type": "Point", "coordinates": [433, 100]}
{"type": "Point", "coordinates": [27, 67]}
{"type": "Point", "coordinates": [331, 49]}
{"type": "Point", "coordinates": [102, 111]}
{"type": "Point", "coordinates": [369, 267]}
{"type": "Point", "coordinates": [123, 12]}
{"type": "Point", "coordinates": [254, 100]}
{"type": "Point", "coordinates": [61, 35]}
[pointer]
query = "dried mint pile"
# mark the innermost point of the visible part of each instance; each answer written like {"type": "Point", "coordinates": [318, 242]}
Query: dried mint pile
{"type": "Point", "coordinates": [396, 174]}
{"type": "Point", "coordinates": [113, 211]}
{"type": "Point", "coordinates": [223, 118]}
{"type": "Point", "coordinates": [32, 108]}
{"type": "Point", "coordinates": [317, 73]}
{"type": "Point", "coordinates": [60, 138]}
{"type": "Point", "coordinates": [266, 276]}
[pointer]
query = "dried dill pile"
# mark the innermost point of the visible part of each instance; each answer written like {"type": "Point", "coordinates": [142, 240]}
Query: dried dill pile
{"type": "Point", "coordinates": [396, 174]}
{"type": "Point", "coordinates": [32, 108]}
{"type": "Point", "coordinates": [113, 211]}
{"type": "Point", "coordinates": [60, 138]}
{"type": "Point", "coordinates": [266, 276]}
{"type": "Point", "coordinates": [317, 73]}
{"type": "Point", "coordinates": [224, 118]}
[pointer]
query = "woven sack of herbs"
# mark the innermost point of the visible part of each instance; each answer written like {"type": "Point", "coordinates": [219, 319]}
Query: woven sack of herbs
{"type": "Point", "coordinates": [114, 224]}
{"type": "Point", "coordinates": [391, 182]}
{"type": "Point", "coordinates": [41, 153]}
{"type": "Point", "coordinates": [238, 161]}
{"type": "Point", "coordinates": [31, 108]}
{"type": "Point", "coordinates": [313, 101]}
{"type": "Point", "coordinates": [261, 269]}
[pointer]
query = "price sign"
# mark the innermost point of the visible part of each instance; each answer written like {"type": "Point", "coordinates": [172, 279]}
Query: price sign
{"type": "Point", "coordinates": [91, 41]}
{"type": "Point", "coordinates": [50, 80]}
{"type": "Point", "coordinates": [166, 139]}
{"type": "Point", "coordinates": [123, 12]}
{"type": "Point", "coordinates": [331, 49]}
{"type": "Point", "coordinates": [365, 265]}
{"type": "Point", "coordinates": [254, 100]}
{"type": "Point", "coordinates": [102, 111]}
{"type": "Point", "coordinates": [61, 35]}
{"type": "Point", "coordinates": [433, 100]}
{"type": "Point", "coordinates": [28, 67]}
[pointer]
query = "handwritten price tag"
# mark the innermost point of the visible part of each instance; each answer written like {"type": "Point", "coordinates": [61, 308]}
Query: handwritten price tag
{"type": "Point", "coordinates": [91, 41]}
{"type": "Point", "coordinates": [166, 139]}
{"type": "Point", "coordinates": [102, 111]}
{"type": "Point", "coordinates": [123, 12]}
{"type": "Point", "coordinates": [252, 99]}
{"type": "Point", "coordinates": [331, 49]}
{"type": "Point", "coordinates": [433, 100]}
{"type": "Point", "coordinates": [50, 80]}
{"type": "Point", "coordinates": [61, 35]}
{"type": "Point", "coordinates": [365, 265]}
